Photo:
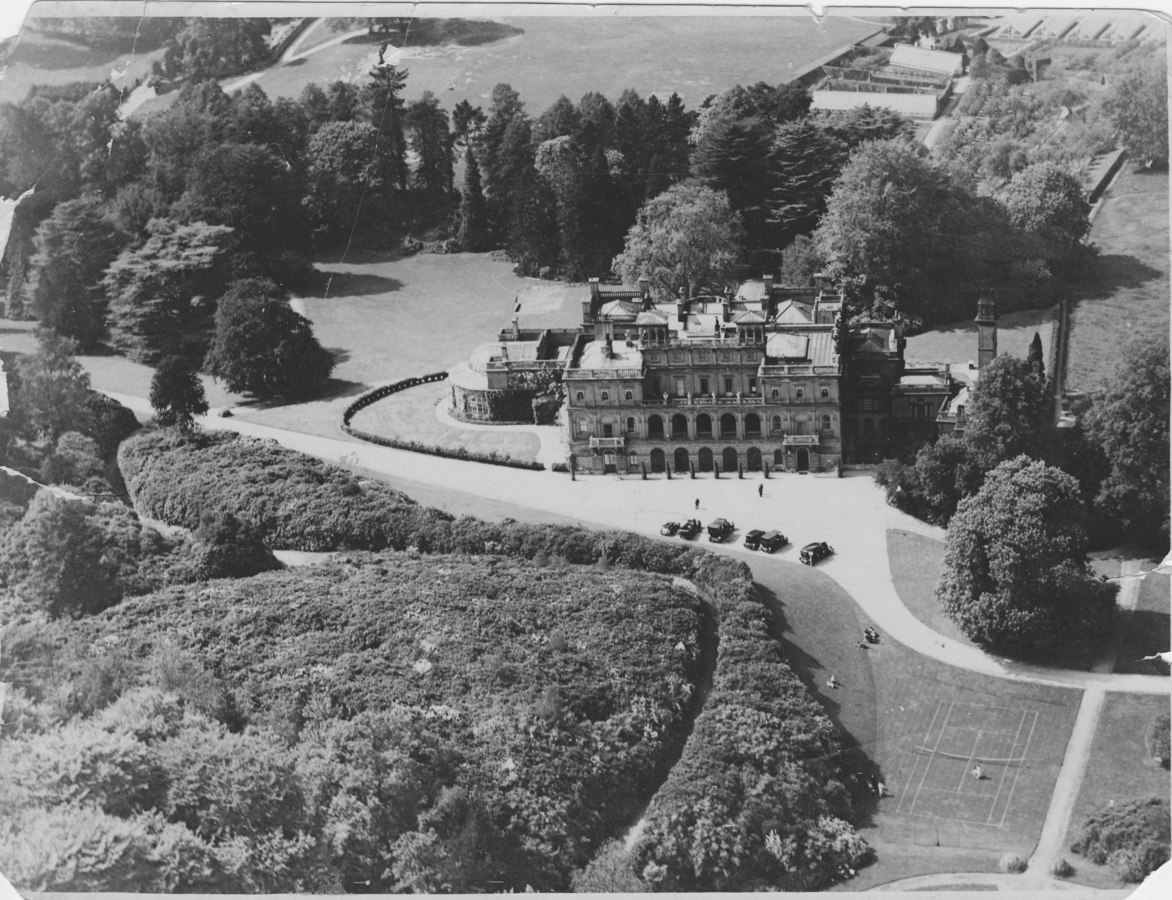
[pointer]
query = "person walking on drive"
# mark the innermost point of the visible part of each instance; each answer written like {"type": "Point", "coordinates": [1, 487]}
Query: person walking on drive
{"type": "Point", "coordinates": [697, 503]}
{"type": "Point", "coordinates": [760, 490]}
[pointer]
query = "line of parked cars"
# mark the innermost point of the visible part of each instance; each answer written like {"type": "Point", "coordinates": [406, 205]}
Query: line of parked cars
{"type": "Point", "coordinates": [720, 529]}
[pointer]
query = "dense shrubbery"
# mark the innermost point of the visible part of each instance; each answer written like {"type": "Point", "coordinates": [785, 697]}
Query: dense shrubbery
{"type": "Point", "coordinates": [65, 558]}
{"type": "Point", "coordinates": [732, 793]}
{"type": "Point", "coordinates": [1132, 838]}
{"type": "Point", "coordinates": [1158, 740]}
{"type": "Point", "coordinates": [471, 707]}
{"type": "Point", "coordinates": [293, 501]}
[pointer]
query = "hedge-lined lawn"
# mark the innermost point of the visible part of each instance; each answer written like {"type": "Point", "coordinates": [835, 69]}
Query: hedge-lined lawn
{"type": "Point", "coordinates": [1144, 630]}
{"type": "Point", "coordinates": [1119, 770]}
{"type": "Point", "coordinates": [885, 704]}
{"type": "Point", "coordinates": [916, 564]}
{"type": "Point", "coordinates": [1127, 293]}
{"type": "Point", "coordinates": [957, 343]}
{"type": "Point", "coordinates": [410, 416]}
{"type": "Point", "coordinates": [40, 59]}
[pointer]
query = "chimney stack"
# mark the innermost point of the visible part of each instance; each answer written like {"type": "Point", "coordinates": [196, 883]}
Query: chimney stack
{"type": "Point", "coordinates": [768, 279]}
{"type": "Point", "coordinates": [819, 281]}
{"type": "Point", "coordinates": [609, 351]}
{"type": "Point", "coordinates": [595, 296]}
{"type": "Point", "coordinates": [986, 330]}
{"type": "Point", "coordinates": [682, 309]}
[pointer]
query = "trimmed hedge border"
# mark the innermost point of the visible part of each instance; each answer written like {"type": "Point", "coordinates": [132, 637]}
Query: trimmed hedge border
{"type": "Point", "coordinates": [387, 390]}
{"type": "Point", "coordinates": [752, 801]}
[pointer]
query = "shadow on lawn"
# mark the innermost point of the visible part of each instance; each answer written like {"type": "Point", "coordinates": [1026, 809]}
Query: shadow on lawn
{"type": "Point", "coordinates": [337, 285]}
{"type": "Point", "coordinates": [1117, 271]}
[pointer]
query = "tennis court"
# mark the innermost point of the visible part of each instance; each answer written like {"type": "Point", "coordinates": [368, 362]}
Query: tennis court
{"type": "Point", "coordinates": [963, 740]}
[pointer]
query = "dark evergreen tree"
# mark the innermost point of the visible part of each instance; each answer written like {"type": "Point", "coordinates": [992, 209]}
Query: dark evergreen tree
{"type": "Point", "coordinates": [559, 120]}
{"type": "Point", "coordinates": [473, 233]}
{"type": "Point", "coordinates": [803, 163]}
{"type": "Point", "coordinates": [74, 245]}
{"type": "Point", "coordinates": [731, 155]}
{"type": "Point", "coordinates": [467, 124]}
{"type": "Point", "coordinates": [1037, 356]}
{"type": "Point", "coordinates": [382, 107]}
{"type": "Point", "coordinates": [315, 106]}
{"type": "Point", "coordinates": [177, 395]}
{"type": "Point", "coordinates": [345, 102]}
{"type": "Point", "coordinates": [430, 139]}
{"type": "Point", "coordinates": [495, 166]}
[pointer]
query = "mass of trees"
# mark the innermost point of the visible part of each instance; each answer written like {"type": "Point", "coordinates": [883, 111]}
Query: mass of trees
{"type": "Point", "coordinates": [503, 753]}
{"type": "Point", "coordinates": [1132, 838]}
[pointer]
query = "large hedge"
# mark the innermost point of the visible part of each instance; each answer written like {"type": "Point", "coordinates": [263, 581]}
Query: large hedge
{"type": "Point", "coordinates": [749, 804]}
{"type": "Point", "coordinates": [1133, 838]}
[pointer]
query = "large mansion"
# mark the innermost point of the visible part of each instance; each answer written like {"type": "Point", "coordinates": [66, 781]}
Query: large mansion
{"type": "Point", "coordinates": [768, 377]}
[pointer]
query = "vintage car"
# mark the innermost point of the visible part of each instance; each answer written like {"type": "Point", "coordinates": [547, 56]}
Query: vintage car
{"type": "Point", "coordinates": [753, 539]}
{"type": "Point", "coordinates": [690, 528]}
{"type": "Point", "coordinates": [669, 528]}
{"type": "Point", "coordinates": [772, 541]}
{"type": "Point", "coordinates": [812, 553]}
{"type": "Point", "coordinates": [719, 529]}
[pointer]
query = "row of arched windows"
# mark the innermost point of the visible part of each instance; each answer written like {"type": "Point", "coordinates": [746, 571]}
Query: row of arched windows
{"type": "Point", "coordinates": [706, 459]}
{"type": "Point", "coordinates": [703, 425]}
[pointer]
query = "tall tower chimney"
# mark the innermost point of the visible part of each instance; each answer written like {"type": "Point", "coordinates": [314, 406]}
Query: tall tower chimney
{"type": "Point", "coordinates": [986, 330]}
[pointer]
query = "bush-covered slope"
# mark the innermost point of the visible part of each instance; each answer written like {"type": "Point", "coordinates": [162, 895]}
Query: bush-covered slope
{"type": "Point", "coordinates": [548, 699]}
{"type": "Point", "coordinates": [751, 802]}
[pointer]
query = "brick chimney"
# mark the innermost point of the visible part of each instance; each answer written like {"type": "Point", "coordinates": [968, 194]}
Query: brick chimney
{"type": "Point", "coordinates": [595, 296]}
{"type": "Point", "coordinates": [819, 281]}
{"type": "Point", "coordinates": [608, 352]}
{"type": "Point", "coordinates": [682, 309]}
{"type": "Point", "coordinates": [768, 279]}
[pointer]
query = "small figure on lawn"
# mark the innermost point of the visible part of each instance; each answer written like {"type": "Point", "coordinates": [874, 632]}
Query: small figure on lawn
{"type": "Point", "coordinates": [977, 774]}
{"type": "Point", "coordinates": [832, 682]}
{"type": "Point", "coordinates": [871, 635]}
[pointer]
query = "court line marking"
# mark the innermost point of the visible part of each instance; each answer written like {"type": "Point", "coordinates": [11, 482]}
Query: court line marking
{"type": "Point", "coordinates": [916, 761]}
{"type": "Point", "coordinates": [928, 764]}
{"type": "Point", "coordinates": [1016, 772]}
{"type": "Point", "coordinates": [968, 766]}
{"type": "Point", "coordinates": [1001, 780]}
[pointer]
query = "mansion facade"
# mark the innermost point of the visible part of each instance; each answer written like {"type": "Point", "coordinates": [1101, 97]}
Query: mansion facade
{"type": "Point", "coordinates": [772, 377]}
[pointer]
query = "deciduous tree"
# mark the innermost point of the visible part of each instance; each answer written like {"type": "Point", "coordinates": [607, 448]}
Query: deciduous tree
{"type": "Point", "coordinates": [1015, 575]}
{"type": "Point", "coordinates": [1130, 422]}
{"type": "Point", "coordinates": [1137, 105]}
{"type": "Point", "coordinates": [1048, 204]}
{"type": "Point", "coordinates": [1009, 412]}
{"type": "Point", "coordinates": [688, 237]}
{"type": "Point", "coordinates": [263, 347]}
{"type": "Point", "coordinates": [53, 393]}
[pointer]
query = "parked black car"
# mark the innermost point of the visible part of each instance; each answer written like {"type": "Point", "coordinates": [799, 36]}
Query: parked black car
{"type": "Point", "coordinates": [719, 529]}
{"type": "Point", "coordinates": [753, 539]}
{"type": "Point", "coordinates": [772, 541]}
{"type": "Point", "coordinates": [812, 553]}
{"type": "Point", "coordinates": [690, 528]}
{"type": "Point", "coordinates": [669, 528]}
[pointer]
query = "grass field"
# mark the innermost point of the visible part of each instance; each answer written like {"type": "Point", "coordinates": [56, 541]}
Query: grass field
{"type": "Point", "coordinates": [916, 563]}
{"type": "Point", "coordinates": [1129, 296]}
{"type": "Point", "coordinates": [1119, 770]}
{"type": "Point", "coordinates": [957, 343]}
{"type": "Point", "coordinates": [410, 416]}
{"type": "Point", "coordinates": [1144, 630]}
{"type": "Point", "coordinates": [41, 59]}
{"type": "Point", "coordinates": [694, 56]}
{"type": "Point", "coordinates": [935, 817]}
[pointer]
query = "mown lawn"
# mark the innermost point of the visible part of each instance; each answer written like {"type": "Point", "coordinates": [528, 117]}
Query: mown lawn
{"type": "Point", "coordinates": [1127, 296]}
{"type": "Point", "coordinates": [916, 564]}
{"type": "Point", "coordinates": [1144, 630]}
{"type": "Point", "coordinates": [957, 343]}
{"type": "Point", "coordinates": [410, 416]}
{"type": "Point", "coordinates": [885, 704]}
{"type": "Point", "coordinates": [1119, 770]}
{"type": "Point", "coordinates": [43, 60]}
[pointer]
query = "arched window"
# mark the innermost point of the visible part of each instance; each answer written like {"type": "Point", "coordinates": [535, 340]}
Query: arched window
{"type": "Point", "coordinates": [583, 428]}
{"type": "Point", "coordinates": [679, 426]}
{"type": "Point", "coordinates": [728, 459]}
{"type": "Point", "coordinates": [753, 460]}
{"type": "Point", "coordinates": [655, 428]}
{"type": "Point", "coordinates": [775, 425]}
{"type": "Point", "coordinates": [633, 460]}
{"type": "Point", "coordinates": [657, 460]}
{"type": "Point", "coordinates": [826, 423]}
{"type": "Point", "coordinates": [752, 425]}
{"type": "Point", "coordinates": [705, 463]}
{"type": "Point", "coordinates": [801, 425]}
{"type": "Point", "coordinates": [778, 458]}
{"type": "Point", "coordinates": [703, 425]}
{"type": "Point", "coordinates": [825, 393]}
{"type": "Point", "coordinates": [630, 424]}
{"type": "Point", "coordinates": [728, 425]}
{"type": "Point", "coordinates": [681, 459]}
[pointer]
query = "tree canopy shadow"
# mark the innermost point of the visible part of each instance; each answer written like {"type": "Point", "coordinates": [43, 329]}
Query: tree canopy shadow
{"type": "Point", "coordinates": [351, 284]}
{"type": "Point", "coordinates": [1117, 271]}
